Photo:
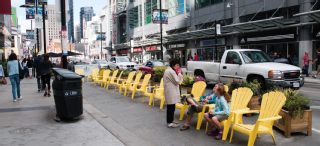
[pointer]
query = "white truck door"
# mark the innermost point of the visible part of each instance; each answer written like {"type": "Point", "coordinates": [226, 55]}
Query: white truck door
{"type": "Point", "coordinates": [232, 67]}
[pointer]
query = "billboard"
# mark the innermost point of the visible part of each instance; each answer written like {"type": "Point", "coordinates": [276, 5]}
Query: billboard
{"type": "Point", "coordinates": [30, 12]}
{"type": "Point", "coordinates": [29, 34]}
{"type": "Point", "coordinates": [101, 36]}
{"type": "Point", "coordinates": [14, 16]}
{"type": "Point", "coordinates": [156, 16]}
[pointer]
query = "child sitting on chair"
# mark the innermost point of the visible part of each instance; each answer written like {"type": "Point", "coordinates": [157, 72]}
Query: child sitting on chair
{"type": "Point", "coordinates": [219, 113]}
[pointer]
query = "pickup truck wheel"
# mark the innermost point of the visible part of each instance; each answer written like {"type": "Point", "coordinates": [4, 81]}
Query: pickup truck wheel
{"type": "Point", "coordinates": [260, 80]}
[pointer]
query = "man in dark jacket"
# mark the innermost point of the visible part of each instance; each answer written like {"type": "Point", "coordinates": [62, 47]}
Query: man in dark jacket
{"type": "Point", "coordinates": [36, 65]}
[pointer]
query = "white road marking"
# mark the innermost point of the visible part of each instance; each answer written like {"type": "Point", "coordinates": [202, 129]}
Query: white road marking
{"type": "Point", "coordinates": [316, 130]}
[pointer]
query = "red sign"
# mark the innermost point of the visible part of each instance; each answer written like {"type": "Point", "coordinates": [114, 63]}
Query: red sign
{"type": "Point", "coordinates": [137, 50]}
{"type": "Point", "coordinates": [152, 48]}
{"type": "Point", "coordinates": [123, 51]}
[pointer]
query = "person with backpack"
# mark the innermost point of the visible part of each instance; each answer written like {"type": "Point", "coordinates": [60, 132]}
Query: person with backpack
{"type": "Point", "coordinates": [13, 72]}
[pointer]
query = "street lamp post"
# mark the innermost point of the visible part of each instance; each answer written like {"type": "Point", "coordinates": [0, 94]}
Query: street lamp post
{"type": "Point", "coordinates": [161, 30]}
{"type": "Point", "coordinates": [101, 39]}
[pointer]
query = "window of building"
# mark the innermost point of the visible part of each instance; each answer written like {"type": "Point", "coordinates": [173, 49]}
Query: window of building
{"type": "Point", "coordinates": [177, 7]}
{"type": "Point", "coordinates": [204, 3]}
{"type": "Point", "coordinates": [135, 17]}
{"type": "Point", "coordinates": [149, 6]}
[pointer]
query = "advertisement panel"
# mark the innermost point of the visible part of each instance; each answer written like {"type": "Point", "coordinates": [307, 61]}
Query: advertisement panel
{"type": "Point", "coordinates": [101, 36]}
{"type": "Point", "coordinates": [38, 21]}
{"type": "Point", "coordinates": [30, 34]}
{"type": "Point", "coordinates": [30, 12]}
{"type": "Point", "coordinates": [156, 16]}
{"type": "Point", "coordinates": [14, 16]}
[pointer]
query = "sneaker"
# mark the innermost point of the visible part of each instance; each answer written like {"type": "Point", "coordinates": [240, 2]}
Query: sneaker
{"type": "Point", "coordinates": [49, 94]}
{"type": "Point", "coordinates": [219, 136]}
{"type": "Point", "coordinates": [30, 77]}
{"type": "Point", "coordinates": [39, 90]}
{"type": "Point", "coordinates": [45, 94]}
{"type": "Point", "coordinates": [20, 98]}
{"type": "Point", "coordinates": [213, 133]}
{"type": "Point", "coordinates": [174, 125]}
{"type": "Point", "coordinates": [15, 100]}
{"type": "Point", "coordinates": [314, 77]}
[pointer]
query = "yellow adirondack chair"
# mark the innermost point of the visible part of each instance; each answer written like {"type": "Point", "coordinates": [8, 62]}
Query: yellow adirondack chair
{"type": "Point", "coordinates": [112, 78]}
{"type": "Point", "coordinates": [143, 87]}
{"type": "Point", "coordinates": [117, 84]}
{"type": "Point", "coordinates": [146, 93]}
{"type": "Point", "coordinates": [158, 93]}
{"type": "Point", "coordinates": [100, 76]}
{"type": "Point", "coordinates": [105, 78]}
{"type": "Point", "coordinates": [94, 74]}
{"type": "Point", "coordinates": [197, 91]}
{"type": "Point", "coordinates": [270, 107]}
{"type": "Point", "coordinates": [210, 106]}
{"type": "Point", "coordinates": [239, 101]}
{"type": "Point", "coordinates": [80, 72]}
{"type": "Point", "coordinates": [126, 83]}
{"type": "Point", "coordinates": [136, 81]}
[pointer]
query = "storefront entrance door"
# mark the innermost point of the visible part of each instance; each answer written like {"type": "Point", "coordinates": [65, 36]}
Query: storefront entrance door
{"type": "Point", "coordinates": [180, 54]}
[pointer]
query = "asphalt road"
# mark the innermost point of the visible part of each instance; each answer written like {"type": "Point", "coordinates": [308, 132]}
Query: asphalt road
{"type": "Point", "coordinates": [149, 122]}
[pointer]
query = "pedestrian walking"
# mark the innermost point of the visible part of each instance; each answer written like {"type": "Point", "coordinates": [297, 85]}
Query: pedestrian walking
{"type": "Point", "coordinates": [220, 112]}
{"type": "Point", "coordinates": [190, 58]}
{"type": "Point", "coordinates": [25, 67]}
{"type": "Point", "coordinates": [13, 71]}
{"type": "Point", "coordinates": [29, 65]}
{"type": "Point", "coordinates": [45, 67]}
{"type": "Point", "coordinates": [196, 58]}
{"type": "Point", "coordinates": [36, 65]}
{"type": "Point", "coordinates": [172, 80]}
{"type": "Point", "coordinates": [201, 58]}
{"type": "Point", "coordinates": [2, 76]}
{"type": "Point", "coordinates": [306, 62]}
{"type": "Point", "coordinates": [318, 63]}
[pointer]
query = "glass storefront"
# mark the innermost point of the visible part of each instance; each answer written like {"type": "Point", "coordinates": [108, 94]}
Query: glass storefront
{"type": "Point", "coordinates": [283, 50]}
{"type": "Point", "coordinates": [316, 45]}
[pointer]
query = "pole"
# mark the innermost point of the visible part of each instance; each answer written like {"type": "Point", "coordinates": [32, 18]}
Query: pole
{"type": "Point", "coordinates": [161, 31]}
{"type": "Point", "coordinates": [36, 1]}
{"type": "Point", "coordinates": [216, 49]}
{"type": "Point", "coordinates": [63, 24]}
{"type": "Point", "coordinates": [101, 38]}
{"type": "Point", "coordinates": [44, 30]}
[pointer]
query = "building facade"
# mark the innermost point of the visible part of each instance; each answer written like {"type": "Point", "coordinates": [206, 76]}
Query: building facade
{"type": "Point", "coordinates": [5, 36]}
{"type": "Point", "coordinates": [71, 23]}
{"type": "Point", "coordinates": [86, 14]}
{"type": "Point", "coordinates": [286, 27]}
{"type": "Point", "coordinates": [77, 34]}
{"type": "Point", "coordinates": [53, 27]}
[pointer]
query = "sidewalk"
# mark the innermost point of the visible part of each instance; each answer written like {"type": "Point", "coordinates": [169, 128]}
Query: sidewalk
{"type": "Point", "coordinates": [30, 121]}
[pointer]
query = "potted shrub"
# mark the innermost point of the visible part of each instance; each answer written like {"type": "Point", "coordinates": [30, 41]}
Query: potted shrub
{"type": "Point", "coordinates": [234, 84]}
{"type": "Point", "coordinates": [187, 82]}
{"type": "Point", "coordinates": [296, 113]}
{"type": "Point", "coordinates": [125, 74]}
{"type": "Point", "coordinates": [157, 75]}
{"type": "Point", "coordinates": [255, 102]}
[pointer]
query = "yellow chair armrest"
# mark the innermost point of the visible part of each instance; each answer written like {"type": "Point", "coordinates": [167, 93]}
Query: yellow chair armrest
{"type": "Point", "coordinates": [270, 119]}
{"type": "Point", "coordinates": [244, 112]}
{"type": "Point", "coordinates": [159, 88]}
{"type": "Point", "coordinates": [152, 87]}
{"type": "Point", "coordinates": [211, 106]}
{"type": "Point", "coordinates": [185, 94]}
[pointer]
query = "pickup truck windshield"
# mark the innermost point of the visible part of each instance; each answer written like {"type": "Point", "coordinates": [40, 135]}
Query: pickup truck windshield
{"type": "Point", "coordinates": [255, 57]}
{"type": "Point", "coordinates": [123, 59]}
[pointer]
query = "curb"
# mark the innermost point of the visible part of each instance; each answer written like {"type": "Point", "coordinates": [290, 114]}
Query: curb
{"type": "Point", "coordinates": [118, 131]}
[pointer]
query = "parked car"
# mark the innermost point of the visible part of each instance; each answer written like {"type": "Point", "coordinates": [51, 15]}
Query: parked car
{"type": "Point", "coordinates": [150, 65]}
{"type": "Point", "coordinates": [122, 62]}
{"type": "Point", "coordinates": [101, 62]}
{"type": "Point", "coordinates": [85, 61]}
{"type": "Point", "coordinates": [248, 64]}
{"type": "Point", "coordinates": [73, 60]}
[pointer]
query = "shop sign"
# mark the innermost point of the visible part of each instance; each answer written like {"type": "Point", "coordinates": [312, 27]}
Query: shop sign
{"type": "Point", "coordinates": [152, 48]}
{"type": "Point", "coordinates": [135, 50]}
{"type": "Point", "coordinates": [212, 42]}
{"type": "Point", "coordinates": [177, 46]}
{"type": "Point", "coordinates": [123, 51]}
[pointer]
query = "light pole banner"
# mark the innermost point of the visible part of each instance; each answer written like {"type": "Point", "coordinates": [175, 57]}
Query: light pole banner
{"type": "Point", "coordinates": [218, 29]}
{"type": "Point", "coordinates": [64, 42]}
{"type": "Point", "coordinates": [38, 23]}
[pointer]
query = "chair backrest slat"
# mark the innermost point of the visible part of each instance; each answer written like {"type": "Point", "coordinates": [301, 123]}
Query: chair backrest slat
{"type": "Point", "coordinates": [145, 81]}
{"type": "Point", "coordinates": [118, 80]}
{"type": "Point", "coordinates": [95, 72]}
{"type": "Point", "coordinates": [240, 98]}
{"type": "Point", "coordinates": [106, 74]}
{"type": "Point", "coordinates": [198, 88]}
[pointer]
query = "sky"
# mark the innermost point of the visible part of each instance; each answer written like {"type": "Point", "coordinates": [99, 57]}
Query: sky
{"type": "Point", "coordinates": [77, 4]}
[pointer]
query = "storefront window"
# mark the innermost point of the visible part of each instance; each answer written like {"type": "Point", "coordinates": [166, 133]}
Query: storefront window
{"type": "Point", "coordinates": [293, 52]}
{"type": "Point", "coordinates": [149, 6]}
{"type": "Point", "coordinates": [244, 47]}
{"type": "Point", "coordinates": [177, 7]}
{"type": "Point", "coordinates": [205, 3]}
{"type": "Point", "coordinates": [263, 48]}
{"type": "Point", "coordinates": [205, 53]}
{"type": "Point", "coordinates": [135, 17]}
{"type": "Point", "coordinates": [285, 50]}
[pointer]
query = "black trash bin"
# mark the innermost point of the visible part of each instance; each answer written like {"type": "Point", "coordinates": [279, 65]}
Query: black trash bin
{"type": "Point", "coordinates": [67, 90]}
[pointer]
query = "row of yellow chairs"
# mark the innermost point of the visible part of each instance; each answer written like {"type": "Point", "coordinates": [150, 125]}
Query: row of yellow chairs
{"type": "Point", "coordinates": [128, 84]}
{"type": "Point", "coordinates": [270, 107]}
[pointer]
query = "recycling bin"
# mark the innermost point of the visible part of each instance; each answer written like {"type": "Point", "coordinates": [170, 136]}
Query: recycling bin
{"type": "Point", "coordinates": [67, 90]}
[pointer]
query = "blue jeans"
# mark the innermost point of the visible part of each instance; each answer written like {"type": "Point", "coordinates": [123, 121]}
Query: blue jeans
{"type": "Point", "coordinates": [26, 72]}
{"type": "Point", "coordinates": [307, 69]}
{"type": "Point", "coordinates": [15, 81]}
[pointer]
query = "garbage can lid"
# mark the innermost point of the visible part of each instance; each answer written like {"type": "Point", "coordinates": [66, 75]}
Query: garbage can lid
{"type": "Point", "coordinates": [64, 73]}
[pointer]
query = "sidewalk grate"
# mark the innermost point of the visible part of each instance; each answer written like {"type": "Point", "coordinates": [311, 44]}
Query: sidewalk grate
{"type": "Point", "coordinates": [26, 109]}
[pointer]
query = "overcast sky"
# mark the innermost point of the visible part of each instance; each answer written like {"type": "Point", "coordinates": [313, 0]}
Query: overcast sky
{"type": "Point", "coordinates": [77, 4]}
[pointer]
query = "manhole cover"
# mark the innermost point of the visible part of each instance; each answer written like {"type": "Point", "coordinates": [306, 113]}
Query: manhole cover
{"type": "Point", "coordinates": [22, 131]}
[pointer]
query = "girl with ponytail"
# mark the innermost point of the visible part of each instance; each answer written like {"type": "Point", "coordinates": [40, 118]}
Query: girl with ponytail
{"type": "Point", "coordinates": [219, 113]}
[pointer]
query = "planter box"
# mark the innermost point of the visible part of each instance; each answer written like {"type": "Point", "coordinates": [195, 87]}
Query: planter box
{"type": "Point", "coordinates": [187, 88]}
{"type": "Point", "coordinates": [290, 125]}
{"type": "Point", "coordinates": [254, 104]}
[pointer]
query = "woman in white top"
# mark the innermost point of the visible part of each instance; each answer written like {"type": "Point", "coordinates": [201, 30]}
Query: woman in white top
{"type": "Point", "coordinates": [25, 67]}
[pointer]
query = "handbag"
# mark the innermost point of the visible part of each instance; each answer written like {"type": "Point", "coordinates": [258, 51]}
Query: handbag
{"type": "Point", "coordinates": [3, 81]}
{"type": "Point", "coordinates": [21, 72]}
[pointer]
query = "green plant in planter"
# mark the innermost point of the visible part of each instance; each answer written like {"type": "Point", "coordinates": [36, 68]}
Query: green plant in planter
{"type": "Point", "coordinates": [188, 80]}
{"type": "Point", "coordinates": [158, 73]}
{"type": "Point", "coordinates": [254, 86]}
{"type": "Point", "coordinates": [234, 84]}
{"type": "Point", "coordinates": [139, 71]}
{"type": "Point", "coordinates": [295, 103]}
{"type": "Point", "coordinates": [105, 68]}
{"type": "Point", "coordinates": [126, 73]}
{"type": "Point", "coordinates": [112, 70]}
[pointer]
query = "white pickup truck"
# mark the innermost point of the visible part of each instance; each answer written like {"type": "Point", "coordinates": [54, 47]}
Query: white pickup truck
{"type": "Point", "coordinates": [248, 65]}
